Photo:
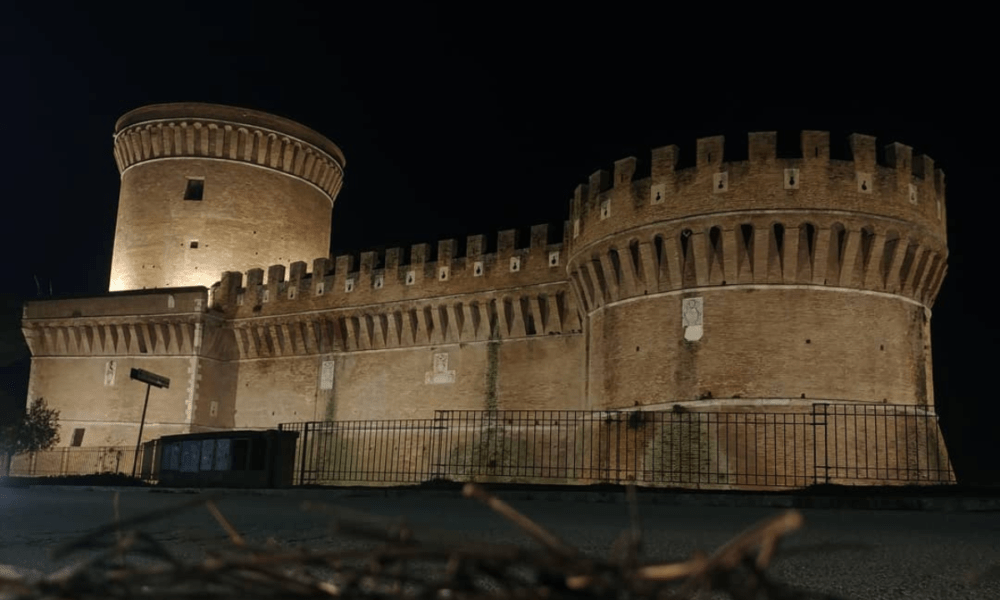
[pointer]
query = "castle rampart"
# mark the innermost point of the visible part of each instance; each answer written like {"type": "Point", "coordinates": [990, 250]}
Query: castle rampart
{"type": "Point", "coordinates": [512, 293]}
{"type": "Point", "coordinates": [771, 282]}
{"type": "Point", "coordinates": [907, 190]}
{"type": "Point", "coordinates": [379, 279]}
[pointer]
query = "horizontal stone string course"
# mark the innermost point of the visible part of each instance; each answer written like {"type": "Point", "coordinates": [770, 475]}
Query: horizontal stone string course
{"type": "Point", "coordinates": [124, 338]}
{"type": "Point", "coordinates": [428, 323]}
{"type": "Point", "coordinates": [150, 141]}
{"type": "Point", "coordinates": [467, 319]}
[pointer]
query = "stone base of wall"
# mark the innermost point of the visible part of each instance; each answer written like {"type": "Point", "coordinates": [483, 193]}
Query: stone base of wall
{"type": "Point", "coordinates": [735, 449]}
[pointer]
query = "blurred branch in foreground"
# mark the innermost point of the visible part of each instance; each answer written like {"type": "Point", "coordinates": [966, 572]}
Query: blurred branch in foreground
{"type": "Point", "coordinates": [389, 558]}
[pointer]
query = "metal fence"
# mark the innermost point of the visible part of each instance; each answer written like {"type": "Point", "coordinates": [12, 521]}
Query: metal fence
{"type": "Point", "coordinates": [89, 460]}
{"type": "Point", "coordinates": [401, 451]}
{"type": "Point", "coordinates": [831, 443]}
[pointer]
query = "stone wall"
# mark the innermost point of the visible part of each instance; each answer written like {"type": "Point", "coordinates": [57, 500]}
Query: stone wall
{"type": "Point", "coordinates": [759, 342]}
{"type": "Point", "coordinates": [247, 217]}
{"type": "Point", "coordinates": [84, 349]}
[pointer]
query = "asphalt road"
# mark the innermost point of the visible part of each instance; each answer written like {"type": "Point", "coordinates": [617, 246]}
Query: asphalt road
{"type": "Point", "coordinates": [851, 553]}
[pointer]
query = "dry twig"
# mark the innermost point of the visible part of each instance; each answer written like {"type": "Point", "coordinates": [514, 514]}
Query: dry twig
{"type": "Point", "coordinates": [404, 562]}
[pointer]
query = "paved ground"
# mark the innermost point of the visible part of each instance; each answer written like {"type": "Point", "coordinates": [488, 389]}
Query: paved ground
{"type": "Point", "coordinates": [865, 554]}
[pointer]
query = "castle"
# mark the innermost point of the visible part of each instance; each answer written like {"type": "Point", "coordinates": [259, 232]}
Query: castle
{"type": "Point", "coordinates": [770, 282]}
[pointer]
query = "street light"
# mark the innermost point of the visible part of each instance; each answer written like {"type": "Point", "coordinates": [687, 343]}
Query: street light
{"type": "Point", "coordinates": [150, 379]}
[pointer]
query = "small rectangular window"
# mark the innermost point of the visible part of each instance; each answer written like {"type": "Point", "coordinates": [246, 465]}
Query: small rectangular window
{"type": "Point", "coordinates": [195, 189]}
{"type": "Point", "coordinates": [77, 437]}
{"type": "Point", "coordinates": [194, 243]}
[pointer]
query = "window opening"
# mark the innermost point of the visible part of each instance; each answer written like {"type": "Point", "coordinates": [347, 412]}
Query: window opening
{"type": "Point", "coordinates": [195, 189]}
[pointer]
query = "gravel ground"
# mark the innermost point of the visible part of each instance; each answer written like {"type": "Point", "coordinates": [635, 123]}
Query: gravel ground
{"type": "Point", "coordinates": [852, 553]}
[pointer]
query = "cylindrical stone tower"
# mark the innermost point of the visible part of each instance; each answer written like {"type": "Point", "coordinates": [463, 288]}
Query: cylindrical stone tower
{"type": "Point", "coordinates": [773, 282]}
{"type": "Point", "coordinates": [208, 188]}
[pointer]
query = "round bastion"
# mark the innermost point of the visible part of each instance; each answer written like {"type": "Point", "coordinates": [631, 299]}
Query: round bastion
{"type": "Point", "coordinates": [208, 188]}
{"type": "Point", "coordinates": [770, 280]}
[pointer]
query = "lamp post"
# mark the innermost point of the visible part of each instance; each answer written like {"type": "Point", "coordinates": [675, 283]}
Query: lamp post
{"type": "Point", "coordinates": [150, 379]}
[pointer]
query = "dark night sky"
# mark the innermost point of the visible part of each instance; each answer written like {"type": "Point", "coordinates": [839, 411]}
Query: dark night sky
{"type": "Point", "coordinates": [457, 123]}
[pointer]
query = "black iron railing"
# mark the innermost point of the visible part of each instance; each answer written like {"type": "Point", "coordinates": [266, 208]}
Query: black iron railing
{"type": "Point", "coordinates": [866, 443]}
{"type": "Point", "coordinates": [831, 443]}
{"type": "Point", "coordinates": [402, 451]}
{"type": "Point", "coordinates": [87, 460]}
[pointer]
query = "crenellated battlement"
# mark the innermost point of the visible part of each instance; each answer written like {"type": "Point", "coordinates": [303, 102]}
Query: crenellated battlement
{"type": "Point", "coordinates": [395, 275]}
{"type": "Point", "coordinates": [195, 130]}
{"type": "Point", "coordinates": [894, 184]}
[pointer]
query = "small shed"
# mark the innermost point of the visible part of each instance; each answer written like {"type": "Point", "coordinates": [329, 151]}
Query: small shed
{"type": "Point", "coordinates": [234, 459]}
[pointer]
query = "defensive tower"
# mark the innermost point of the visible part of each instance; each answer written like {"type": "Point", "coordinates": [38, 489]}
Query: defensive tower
{"type": "Point", "coordinates": [787, 280]}
{"type": "Point", "coordinates": [207, 188]}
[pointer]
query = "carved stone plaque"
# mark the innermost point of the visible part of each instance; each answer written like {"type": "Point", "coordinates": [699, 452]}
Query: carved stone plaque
{"type": "Point", "coordinates": [692, 317]}
{"type": "Point", "coordinates": [692, 311]}
{"type": "Point", "coordinates": [440, 372]}
{"type": "Point", "coordinates": [326, 376]}
{"type": "Point", "coordinates": [109, 373]}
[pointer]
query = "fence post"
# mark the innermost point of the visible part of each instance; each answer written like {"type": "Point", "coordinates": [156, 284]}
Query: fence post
{"type": "Point", "coordinates": [815, 423]}
{"type": "Point", "coordinates": [434, 459]}
{"type": "Point", "coordinates": [305, 449]}
{"type": "Point", "coordinates": [63, 460]}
